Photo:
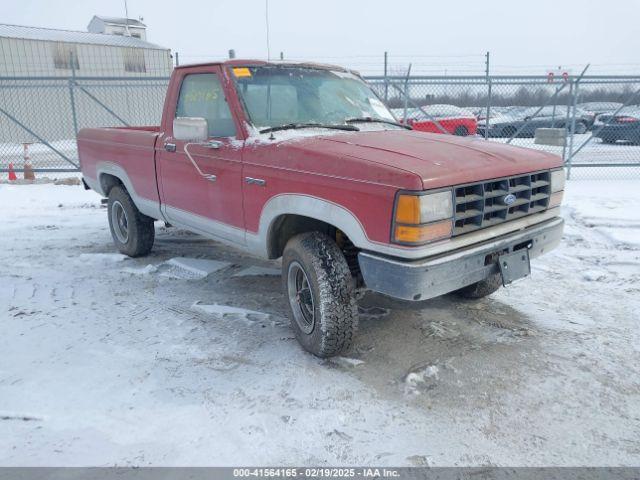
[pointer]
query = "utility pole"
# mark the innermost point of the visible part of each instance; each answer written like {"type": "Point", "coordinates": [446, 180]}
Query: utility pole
{"type": "Point", "coordinates": [126, 18]}
{"type": "Point", "coordinates": [177, 59]}
{"type": "Point", "coordinates": [267, 21]}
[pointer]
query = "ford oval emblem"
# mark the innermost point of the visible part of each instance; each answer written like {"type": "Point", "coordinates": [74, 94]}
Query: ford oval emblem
{"type": "Point", "coordinates": [509, 199]}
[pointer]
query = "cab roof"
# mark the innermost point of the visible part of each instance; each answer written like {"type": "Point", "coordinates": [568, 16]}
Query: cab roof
{"type": "Point", "coordinates": [238, 62]}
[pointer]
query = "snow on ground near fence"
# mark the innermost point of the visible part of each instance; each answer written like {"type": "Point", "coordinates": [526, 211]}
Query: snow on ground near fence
{"type": "Point", "coordinates": [105, 360]}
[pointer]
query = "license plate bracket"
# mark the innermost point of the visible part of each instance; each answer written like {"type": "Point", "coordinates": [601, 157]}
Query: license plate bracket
{"type": "Point", "coordinates": [514, 266]}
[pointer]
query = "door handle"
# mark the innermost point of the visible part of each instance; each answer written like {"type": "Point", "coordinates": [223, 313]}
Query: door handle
{"type": "Point", "coordinates": [170, 147]}
{"type": "Point", "coordinates": [210, 177]}
{"type": "Point", "coordinates": [255, 181]}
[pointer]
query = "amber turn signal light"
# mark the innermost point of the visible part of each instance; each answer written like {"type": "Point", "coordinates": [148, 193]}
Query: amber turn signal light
{"type": "Point", "coordinates": [418, 234]}
{"type": "Point", "coordinates": [408, 209]}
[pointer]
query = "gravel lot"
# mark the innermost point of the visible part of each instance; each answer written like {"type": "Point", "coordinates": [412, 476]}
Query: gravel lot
{"type": "Point", "coordinates": [165, 361]}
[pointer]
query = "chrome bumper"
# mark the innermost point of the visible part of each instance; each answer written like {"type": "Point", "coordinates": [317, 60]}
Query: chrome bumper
{"type": "Point", "coordinates": [433, 276]}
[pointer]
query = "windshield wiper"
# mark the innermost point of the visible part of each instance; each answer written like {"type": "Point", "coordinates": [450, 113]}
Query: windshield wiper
{"type": "Point", "coordinates": [295, 126]}
{"type": "Point", "coordinates": [377, 120]}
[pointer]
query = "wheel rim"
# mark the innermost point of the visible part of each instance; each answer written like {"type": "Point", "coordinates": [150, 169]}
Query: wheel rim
{"type": "Point", "coordinates": [301, 298]}
{"type": "Point", "coordinates": [119, 222]}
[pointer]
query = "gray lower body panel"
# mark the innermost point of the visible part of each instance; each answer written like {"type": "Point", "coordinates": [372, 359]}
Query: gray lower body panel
{"type": "Point", "coordinates": [435, 276]}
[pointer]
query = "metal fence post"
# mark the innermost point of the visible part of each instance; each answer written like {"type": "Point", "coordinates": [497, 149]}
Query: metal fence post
{"type": "Point", "coordinates": [406, 93]}
{"type": "Point", "coordinates": [487, 120]}
{"type": "Point", "coordinates": [567, 121]}
{"type": "Point", "coordinates": [72, 97]}
{"type": "Point", "coordinates": [386, 85]}
{"type": "Point", "coordinates": [573, 119]}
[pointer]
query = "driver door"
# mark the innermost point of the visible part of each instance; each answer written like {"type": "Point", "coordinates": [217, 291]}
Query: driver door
{"type": "Point", "coordinates": [210, 205]}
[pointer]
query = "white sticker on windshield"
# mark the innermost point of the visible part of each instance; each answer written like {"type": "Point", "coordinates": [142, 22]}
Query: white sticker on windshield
{"type": "Point", "coordinates": [380, 109]}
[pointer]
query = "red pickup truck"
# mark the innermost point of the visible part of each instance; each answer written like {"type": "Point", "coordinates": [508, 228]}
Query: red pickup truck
{"type": "Point", "coordinates": [304, 162]}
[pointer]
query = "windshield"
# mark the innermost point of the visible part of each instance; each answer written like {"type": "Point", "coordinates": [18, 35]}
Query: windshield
{"type": "Point", "coordinates": [276, 95]}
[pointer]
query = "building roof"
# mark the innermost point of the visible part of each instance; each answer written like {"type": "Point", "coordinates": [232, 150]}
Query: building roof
{"type": "Point", "coordinates": [120, 21]}
{"type": "Point", "coordinates": [72, 36]}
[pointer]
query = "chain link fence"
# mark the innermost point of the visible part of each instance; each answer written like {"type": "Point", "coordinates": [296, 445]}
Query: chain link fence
{"type": "Point", "coordinates": [40, 117]}
{"type": "Point", "coordinates": [592, 122]}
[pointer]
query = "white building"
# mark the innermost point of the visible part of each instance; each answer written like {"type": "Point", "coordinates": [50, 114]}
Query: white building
{"type": "Point", "coordinates": [34, 51]}
{"type": "Point", "coordinates": [54, 82]}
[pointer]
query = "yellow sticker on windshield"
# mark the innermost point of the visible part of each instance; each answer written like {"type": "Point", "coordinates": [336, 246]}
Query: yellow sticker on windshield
{"type": "Point", "coordinates": [241, 72]}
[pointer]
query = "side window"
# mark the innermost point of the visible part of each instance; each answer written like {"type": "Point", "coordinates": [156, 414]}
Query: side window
{"type": "Point", "coordinates": [201, 95]}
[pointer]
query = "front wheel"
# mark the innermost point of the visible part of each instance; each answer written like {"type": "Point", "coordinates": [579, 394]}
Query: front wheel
{"type": "Point", "coordinates": [320, 292]}
{"type": "Point", "coordinates": [133, 232]}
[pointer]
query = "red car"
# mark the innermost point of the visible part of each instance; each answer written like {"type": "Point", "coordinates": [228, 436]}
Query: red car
{"type": "Point", "coordinates": [304, 162]}
{"type": "Point", "coordinates": [440, 119]}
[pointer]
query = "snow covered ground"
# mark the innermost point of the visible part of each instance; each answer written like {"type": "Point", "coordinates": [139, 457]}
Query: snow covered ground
{"type": "Point", "coordinates": [186, 358]}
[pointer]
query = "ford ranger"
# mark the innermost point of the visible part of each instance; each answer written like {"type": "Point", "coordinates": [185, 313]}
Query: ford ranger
{"type": "Point", "coordinates": [304, 162]}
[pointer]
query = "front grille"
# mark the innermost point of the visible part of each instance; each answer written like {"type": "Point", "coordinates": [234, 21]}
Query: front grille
{"type": "Point", "coordinates": [481, 205]}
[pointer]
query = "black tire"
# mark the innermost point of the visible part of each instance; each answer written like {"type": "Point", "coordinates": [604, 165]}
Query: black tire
{"type": "Point", "coordinates": [482, 288]}
{"type": "Point", "coordinates": [133, 233]}
{"type": "Point", "coordinates": [581, 128]}
{"type": "Point", "coordinates": [323, 314]}
{"type": "Point", "coordinates": [461, 131]}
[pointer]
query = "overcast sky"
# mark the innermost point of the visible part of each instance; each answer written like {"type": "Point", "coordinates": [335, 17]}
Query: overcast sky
{"type": "Point", "coordinates": [437, 36]}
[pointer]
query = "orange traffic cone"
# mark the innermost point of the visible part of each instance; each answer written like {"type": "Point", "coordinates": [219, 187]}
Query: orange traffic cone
{"type": "Point", "coordinates": [28, 172]}
{"type": "Point", "coordinates": [27, 169]}
{"type": "Point", "coordinates": [12, 174]}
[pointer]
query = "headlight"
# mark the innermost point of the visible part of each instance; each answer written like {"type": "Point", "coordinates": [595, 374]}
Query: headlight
{"type": "Point", "coordinates": [557, 187]}
{"type": "Point", "coordinates": [422, 218]}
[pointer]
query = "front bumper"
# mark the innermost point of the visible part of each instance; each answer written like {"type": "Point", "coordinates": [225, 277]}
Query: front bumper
{"type": "Point", "coordinates": [433, 276]}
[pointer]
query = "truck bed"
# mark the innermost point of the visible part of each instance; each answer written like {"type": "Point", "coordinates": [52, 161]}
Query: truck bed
{"type": "Point", "coordinates": [127, 150]}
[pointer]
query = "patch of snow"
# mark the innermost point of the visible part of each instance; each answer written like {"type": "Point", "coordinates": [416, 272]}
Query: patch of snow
{"type": "Point", "coordinates": [191, 268]}
{"type": "Point", "coordinates": [144, 271]}
{"type": "Point", "coordinates": [226, 310]}
{"type": "Point", "coordinates": [103, 257]}
{"type": "Point", "coordinates": [346, 361]}
{"type": "Point", "coordinates": [593, 275]}
{"type": "Point", "coordinates": [420, 379]}
{"type": "Point", "coordinates": [255, 271]}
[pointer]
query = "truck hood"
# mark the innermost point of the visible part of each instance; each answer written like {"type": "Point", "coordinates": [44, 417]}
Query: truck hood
{"type": "Point", "coordinates": [439, 160]}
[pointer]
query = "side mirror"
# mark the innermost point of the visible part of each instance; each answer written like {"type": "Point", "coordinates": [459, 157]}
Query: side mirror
{"type": "Point", "coordinates": [191, 129]}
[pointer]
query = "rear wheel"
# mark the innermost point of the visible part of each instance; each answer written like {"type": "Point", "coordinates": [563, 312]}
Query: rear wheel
{"type": "Point", "coordinates": [482, 288]}
{"type": "Point", "coordinates": [320, 292]}
{"type": "Point", "coordinates": [581, 128]}
{"type": "Point", "coordinates": [461, 131]}
{"type": "Point", "coordinates": [133, 233]}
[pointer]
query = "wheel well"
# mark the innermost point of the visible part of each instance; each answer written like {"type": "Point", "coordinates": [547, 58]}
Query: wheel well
{"type": "Point", "coordinates": [286, 226]}
{"type": "Point", "coordinates": [108, 181]}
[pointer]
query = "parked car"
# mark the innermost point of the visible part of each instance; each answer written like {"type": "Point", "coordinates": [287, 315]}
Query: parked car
{"type": "Point", "coordinates": [527, 121]}
{"type": "Point", "coordinates": [436, 118]}
{"type": "Point", "coordinates": [623, 126]}
{"type": "Point", "coordinates": [598, 108]}
{"type": "Point", "coordinates": [304, 162]}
